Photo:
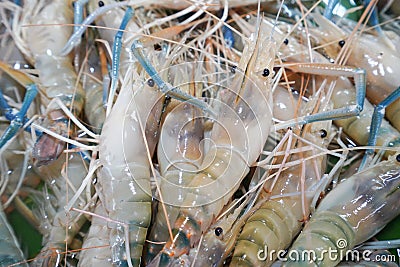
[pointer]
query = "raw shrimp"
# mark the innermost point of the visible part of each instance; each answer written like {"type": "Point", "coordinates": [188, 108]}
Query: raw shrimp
{"type": "Point", "coordinates": [351, 213]}
{"type": "Point", "coordinates": [124, 177]}
{"type": "Point", "coordinates": [368, 52]}
{"type": "Point", "coordinates": [219, 240]}
{"type": "Point", "coordinates": [343, 95]}
{"type": "Point", "coordinates": [10, 252]}
{"type": "Point", "coordinates": [96, 251]}
{"type": "Point", "coordinates": [63, 177]}
{"type": "Point", "coordinates": [238, 136]}
{"type": "Point", "coordinates": [275, 224]}
{"type": "Point", "coordinates": [340, 112]}
{"type": "Point", "coordinates": [125, 173]}
{"type": "Point", "coordinates": [179, 158]}
{"type": "Point", "coordinates": [57, 78]}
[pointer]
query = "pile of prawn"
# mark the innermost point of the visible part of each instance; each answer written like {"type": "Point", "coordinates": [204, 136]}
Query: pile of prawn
{"type": "Point", "coordinates": [197, 133]}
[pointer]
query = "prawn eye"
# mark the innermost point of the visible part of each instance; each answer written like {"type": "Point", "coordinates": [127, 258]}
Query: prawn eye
{"type": "Point", "coordinates": [218, 231]}
{"type": "Point", "coordinates": [265, 72]}
{"type": "Point", "coordinates": [323, 133]}
{"type": "Point", "coordinates": [341, 43]}
{"type": "Point", "coordinates": [101, 3]}
{"type": "Point", "coordinates": [397, 158]}
{"type": "Point", "coordinates": [150, 82]}
{"type": "Point", "coordinates": [233, 69]}
{"type": "Point", "coordinates": [286, 41]}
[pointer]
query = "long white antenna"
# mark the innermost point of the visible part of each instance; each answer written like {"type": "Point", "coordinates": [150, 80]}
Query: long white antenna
{"type": "Point", "coordinates": [276, 19]}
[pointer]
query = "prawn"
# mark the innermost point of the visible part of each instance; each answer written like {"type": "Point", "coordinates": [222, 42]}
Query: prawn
{"type": "Point", "coordinates": [96, 249]}
{"type": "Point", "coordinates": [178, 158]}
{"type": "Point", "coordinates": [244, 114]}
{"type": "Point", "coordinates": [351, 213]}
{"type": "Point", "coordinates": [343, 95]}
{"type": "Point", "coordinates": [118, 186]}
{"type": "Point", "coordinates": [125, 173]}
{"type": "Point", "coordinates": [57, 77]}
{"type": "Point", "coordinates": [64, 176]}
{"type": "Point", "coordinates": [365, 51]}
{"type": "Point", "coordinates": [277, 221]}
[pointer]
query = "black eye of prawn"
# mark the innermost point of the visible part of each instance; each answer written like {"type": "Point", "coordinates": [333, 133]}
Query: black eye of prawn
{"type": "Point", "coordinates": [150, 82]}
{"type": "Point", "coordinates": [218, 231]}
{"type": "Point", "coordinates": [101, 3]}
{"type": "Point", "coordinates": [265, 72]}
{"type": "Point", "coordinates": [286, 41]}
{"type": "Point", "coordinates": [323, 133]}
{"type": "Point", "coordinates": [398, 158]}
{"type": "Point", "coordinates": [341, 43]}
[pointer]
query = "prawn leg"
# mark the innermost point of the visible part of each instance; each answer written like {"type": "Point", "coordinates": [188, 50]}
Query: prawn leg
{"type": "Point", "coordinates": [174, 92]}
{"type": "Point", "coordinates": [117, 46]}
{"type": "Point", "coordinates": [331, 70]}
{"type": "Point", "coordinates": [328, 12]}
{"type": "Point", "coordinates": [5, 108]}
{"type": "Point", "coordinates": [75, 39]}
{"type": "Point", "coordinates": [19, 119]}
{"type": "Point", "coordinates": [78, 13]}
{"type": "Point", "coordinates": [228, 36]}
{"type": "Point", "coordinates": [377, 117]}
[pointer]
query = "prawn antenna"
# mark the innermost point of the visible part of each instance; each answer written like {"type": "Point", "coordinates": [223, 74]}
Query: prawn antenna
{"type": "Point", "coordinates": [276, 19]}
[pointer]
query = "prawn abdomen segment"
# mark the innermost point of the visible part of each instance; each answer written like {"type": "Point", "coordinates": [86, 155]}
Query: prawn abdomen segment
{"type": "Point", "coordinates": [352, 213]}
{"type": "Point", "coordinates": [60, 80]}
{"type": "Point", "coordinates": [272, 227]}
{"type": "Point", "coordinates": [49, 39]}
{"type": "Point", "coordinates": [125, 176]}
{"type": "Point", "coordinates": [126, 183]}
{"type": "Point", "coordinates": [217, 180]}
{"type": "Point", "coordinates": [127, 198]}
{"type": "Point", "coordinates": [325, 232]}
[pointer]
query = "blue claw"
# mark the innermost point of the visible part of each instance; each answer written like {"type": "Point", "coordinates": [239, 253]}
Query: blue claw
{"type": "Point", "coordinates": [339, 113]}
{"type": "Point", "coordinates": [174, 92]}
{"type": "Point", "coordinates": [117, 47]}
{"type": "Point", "coordinates": [377, 117]}
{"type": "Point", "coordinates": [228, 36]}
{"type": "Point", "coordinates": [19, 119]}
{"type": "Point", "coordinates": [374, 19]}
{"type": "Point", "coordinates": [5, 108]}
{"type": "Point", "coordinates": [78, 13]}
{"type": "Point", "coordinates": [75, 39]}
{"type": "Point", "coordinates": [329, 8]}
